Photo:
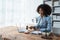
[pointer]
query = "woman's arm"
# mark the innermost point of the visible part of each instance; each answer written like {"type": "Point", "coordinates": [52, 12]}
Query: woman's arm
{"type": "Point", "coordinates": [49, 24]}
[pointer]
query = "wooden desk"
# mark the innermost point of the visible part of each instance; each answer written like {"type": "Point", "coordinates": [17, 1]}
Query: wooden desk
{"type": "Point", "coordinates": [22, 36]}
{"type": "Point", "coordinates": [11, 33]}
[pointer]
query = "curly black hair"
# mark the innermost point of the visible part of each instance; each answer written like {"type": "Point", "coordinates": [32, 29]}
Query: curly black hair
{"type": "Point", "coordinates": [46, 9]}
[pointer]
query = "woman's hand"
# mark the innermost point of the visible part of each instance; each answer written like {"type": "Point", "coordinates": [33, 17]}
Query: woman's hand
{"type": "Point", "coordinates": [29, 29]}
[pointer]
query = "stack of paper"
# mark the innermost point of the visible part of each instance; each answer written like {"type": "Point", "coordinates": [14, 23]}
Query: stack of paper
{"type": "Point", "coordinates": [36, 32]}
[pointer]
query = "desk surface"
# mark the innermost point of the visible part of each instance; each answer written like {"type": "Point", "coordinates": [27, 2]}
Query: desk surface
{"type": "Point", "coordinates": [12, 33]}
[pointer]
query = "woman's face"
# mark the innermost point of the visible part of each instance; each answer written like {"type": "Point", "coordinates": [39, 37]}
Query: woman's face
{"type": "Point", "coordinates": [41, 12]}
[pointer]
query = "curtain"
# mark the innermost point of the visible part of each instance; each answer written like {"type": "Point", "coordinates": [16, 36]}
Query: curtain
{"type": "Point", "coordinates": [17, 12]}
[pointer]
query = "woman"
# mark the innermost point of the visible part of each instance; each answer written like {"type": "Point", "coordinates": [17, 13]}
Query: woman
{"type": "Point", "coordinates": [44, 22]}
